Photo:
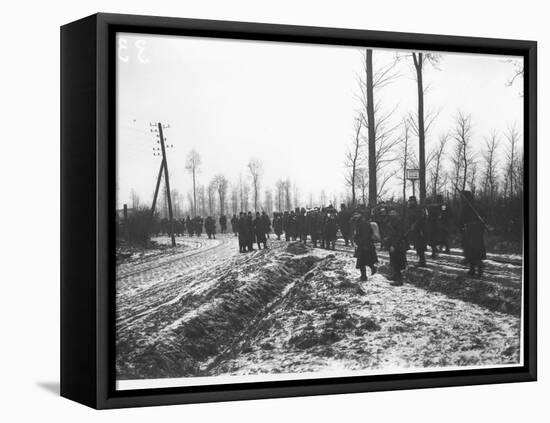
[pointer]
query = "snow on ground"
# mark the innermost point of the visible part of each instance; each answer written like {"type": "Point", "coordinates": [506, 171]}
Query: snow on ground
{"type": "Point", "coordinates": [294, 309]}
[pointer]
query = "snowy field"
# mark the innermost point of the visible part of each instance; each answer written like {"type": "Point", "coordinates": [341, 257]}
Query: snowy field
{"type": "Point", "coordinates": [204, 310]}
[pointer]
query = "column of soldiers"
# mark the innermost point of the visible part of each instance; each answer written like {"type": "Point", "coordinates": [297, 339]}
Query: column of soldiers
{"type": "Point", "coordinates": [397, 228]}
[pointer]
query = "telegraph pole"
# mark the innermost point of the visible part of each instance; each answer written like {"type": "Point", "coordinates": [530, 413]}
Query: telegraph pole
{"type": "Point", "coordinates": [167, 181]}
{"type": "Point", "coordinates": [159, 177]}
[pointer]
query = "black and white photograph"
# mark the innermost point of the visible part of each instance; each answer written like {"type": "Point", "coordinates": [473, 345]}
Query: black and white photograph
{"type": "Point", "coordinates": [292, 211]}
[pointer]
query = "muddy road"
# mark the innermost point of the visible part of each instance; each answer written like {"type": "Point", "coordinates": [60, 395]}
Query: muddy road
{"type": "Point", "coordinates": [204, 309]}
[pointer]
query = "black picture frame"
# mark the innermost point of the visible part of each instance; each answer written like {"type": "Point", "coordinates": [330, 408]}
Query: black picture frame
{"type": "Point", "coordinates": [88, 196]}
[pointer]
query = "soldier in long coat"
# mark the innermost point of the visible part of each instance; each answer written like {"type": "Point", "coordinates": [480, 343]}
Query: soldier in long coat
{"type": "Point", "coordinates": [301, 225]}
{"type": "Point", "coordinates": [344, 223]}
{"type": "Point", "coordinates": [210, 227]}
{"type": "Point", "coordinates": [189, 225]}
{"type": "Point", "coordinates": [330, 230]}
{"type": "Point", "coordinates": [365, 251]}
{"type": "Point", "coordinates": [397, 244]}
{"type": "Point", "coordinates": [416, 227]}
{"type": "Point", "coordinates": [267, 223]}
{"type": "Point", "coordinates": [242, 232]}
{"type": "Point", "coordinates": [286, 225]}
{"type": "Point", "coordinates": [223, 223]}
{"type": "Point", "coordinates": [472, 227]}
{"type": "Point", "coordinates": [260, 230]}
{"type": "Point", "coordinates": [251, 235]}
{"type": "Point", "coordinates": [278, 225]}
{"type": "Point", "coordinates": [235, 225]}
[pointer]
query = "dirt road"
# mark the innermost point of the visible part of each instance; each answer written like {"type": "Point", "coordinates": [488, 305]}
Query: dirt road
{"type": "Point", "coordinates": [203, 309]}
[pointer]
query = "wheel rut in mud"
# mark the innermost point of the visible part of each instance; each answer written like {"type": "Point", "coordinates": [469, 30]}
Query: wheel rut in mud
{"type": "Point", "coordinates": [205, 324]}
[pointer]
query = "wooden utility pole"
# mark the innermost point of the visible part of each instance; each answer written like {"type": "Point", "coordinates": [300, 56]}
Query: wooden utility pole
{"type": "Point", "coordinates": [167, 181]}
{"type": "Point", "coordinates": [155, 196]}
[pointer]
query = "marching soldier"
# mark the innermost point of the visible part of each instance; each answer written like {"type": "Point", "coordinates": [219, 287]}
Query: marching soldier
{"type": "Point", "coordinates": [278, 225]}
{"type": "Point", "coordinates": [286, 225]}
{"type": "Point", "coordinates": [250, 233]}
{"type": "Point", "coordinates": [472, 227]}
{"type": "Point", "coordinates": [267, 223]}
{"type": "Point", "coordinates": [301, 225]}
{"type": "Point", "coordinates": [416, 223]}
{"type": "Point", "coordinates": [344, 223]}
{"type": "Point", "coordinates": [330, 229]}
{"type": "Point", "coordinates": [241, 226]}
{"type": "Point", "coordinates": [365, 251]}
{"type": "Point", "coordinates": [292, 225]}
{"type": "Point", "coordinates": [210, 227]}
{"type": "Point", "coordinates": [223, 223]}
{"type": "Point", "coordinates": [260, 230]}
{"type": "Point", "coordinates": [189, 225]}
{"type": "Point", "coordinates": [397, 245]}
{"type": "Point", "coordinates": [235, 225]}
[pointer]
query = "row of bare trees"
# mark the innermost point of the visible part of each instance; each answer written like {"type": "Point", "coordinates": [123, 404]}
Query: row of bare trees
{"type": "Point", "coordinates": [387, 145]}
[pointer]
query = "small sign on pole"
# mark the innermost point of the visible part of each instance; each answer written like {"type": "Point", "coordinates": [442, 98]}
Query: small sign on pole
{"type": "Point", "coordinates": [413, 174]}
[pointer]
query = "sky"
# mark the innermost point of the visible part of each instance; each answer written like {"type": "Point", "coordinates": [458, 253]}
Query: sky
{"type": "Point", "coordinates": [291, 106]}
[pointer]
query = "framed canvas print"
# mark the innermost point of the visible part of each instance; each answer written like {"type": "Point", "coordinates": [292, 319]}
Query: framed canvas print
{"type": "Point", "coordinates": [254, 211]}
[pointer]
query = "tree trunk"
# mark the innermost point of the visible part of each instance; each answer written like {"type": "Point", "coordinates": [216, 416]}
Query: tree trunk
{"type": "Point", "coordinates": [371, 131]}
{"type": "Point", "coordinates": [421, 130]}
{"type": "Point", "coordinates": [194, 195]}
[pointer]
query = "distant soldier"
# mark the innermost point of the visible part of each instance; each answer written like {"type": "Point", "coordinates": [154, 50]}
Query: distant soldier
{"type": "Point", "coordinates": [433, 227]}
{"type": "Point", "coordinates": [330, 229]}
{"type": "Point", "coordinates": [445, 220]}
{"type": "Point", "coordinates": [251, 235]}
{"type": "Point", "coordinates": [267, 223]}
{"type": "Point", "coordinates": [235, 225]}
{"type": "Point", "coordinates": [286, 225]}
{"type": "Point", "coordinates": [397, 245]}
{"type": "Point", "coordinates": [210, 227]}
{"type": "Point", "coordinates": [301, 225]}
{"type": "Point", "coordinates": [472, 227]}
{"type": "Point", "coordinates": [223, 223]}
{"type": "Point", "coordinates": [292, 225]}
{"type": "Point", "coordinates": [416, 227]}
{"type": "Point", "coordinates": [243, 232]}
{"type": "Point", "coordinates": [315, 226]}
{"type": "Point", "coordinates": [198, 225]}
{"type": "Point", "coordinates": [365, 251]}
{"type": "Point", "coordinates": [260, 230]}
{"type": "Point", "coordinates": [344, 223]}
{"type": "Point", "coordinates": [278, 225]}
{"type": "Point", "coordinates": [189, 225]}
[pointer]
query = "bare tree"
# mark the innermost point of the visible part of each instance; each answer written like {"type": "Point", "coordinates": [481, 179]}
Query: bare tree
{"type": "Point", "coordinates": [511, 178]}
{"type": "Point", "coordinates": [135, 199]}
{"type": "Point", "coordinates": [462, 157]}
{"type": "Point", "coordinates": [255, 169]}
{"type": "Point", "coordinates": [245, 196]}
{"type": "Point", "coordinates": [193, 165]}
{"type": "Point", "coordinates": [353, 158]}
{"type": "Point", "coordinates": [406, 155]}
{"type": "Point", "coordinates": [234, 198]}
{"type": "Point", "coordinates": [363, 183]}
{"type": "Point", "coordinates": [280, 194]}
{"type": "Point", "coordinates": [201, 194]}
{"type": "Point", "coordinates": [268, 201]}
{"type": "Point", "coordinates": [419, 60]}
{"type": "Point", "coordinates": [220, 185]}
{"type": "Point", "coordinates": [380, 132]}
{"type": "Point", "coordinates": [295, 194]}
{"type": "Point", "coordinates": [287, 187]}
{"type": "Point", "coordinates": [490, 183]}
{"type": "Point", "coordinates": [437, 156]}
{"type": "Point", "coordinates": [211, 194]}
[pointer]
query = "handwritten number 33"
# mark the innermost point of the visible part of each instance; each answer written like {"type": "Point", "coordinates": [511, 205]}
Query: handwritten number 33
{"type": "Point", "coordinates": [123, 50]}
